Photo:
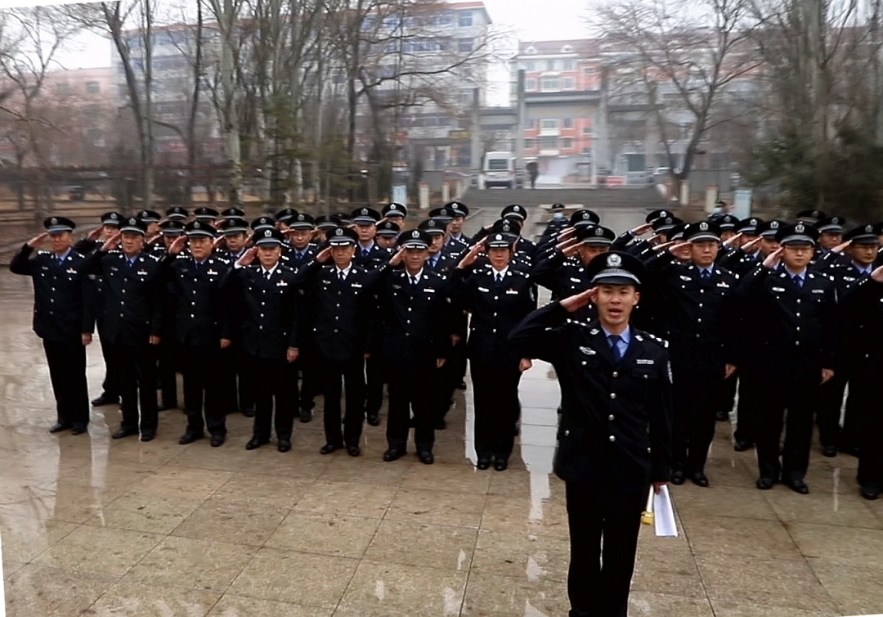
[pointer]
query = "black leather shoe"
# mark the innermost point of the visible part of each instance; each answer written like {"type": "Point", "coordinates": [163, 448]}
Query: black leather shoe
{"type": "Point", "coordinates": [123, 432]}
{"type": "Point", "coordinates": [254, 443]}
{"type": "Point", "coordinates": [328, 448]}
{"type": "Point", "coordinates": [501, 464]}
{"type": "Point", "coordinates": [722, 416]}
{"type": "Point", "coordinates": [483, 463]}
{"type": "Point", "coordinates": [699, 479]}
{"type": "Point", "coordinates": [829, 451]}
{"type": "Point", "coordinates": [78, 430]}
{"type": "Point", "coordinates": [870, 492]}
{"type": "Point", "coordinates": [218, 440]}
{"type": "Point", "coordinates": [393, 454]}
{"type": "Point", "coordinates": [765, 484]}
{"type": "Point", "coordinates": [190, 437]}
{"type": "Point", "coordinates": [306, 415]}
{"type": "Point", "coordinates": [677, 477]}
{"type": "Point", "coordinates": [248, 413]}
{"type": "Point", "coordinates": [284, 445]}
{"type": "Point", "coordinates": [440, 424]}
{"type": "Point", "coordinates": [742, 445]}
{"type": "Point", "coordinates": [426, 457]}
{"type": "Point", "coordinates": [58, 427]}
{"type": "Point", "coordinates": [373, 419]}
{"type": "Point", "coordinates": [353, 450]}
{"type": "Point", "coordinates": [848, 449]}
{"type": "Point", "coordinates": [798, 486]}
{"type": "Point", "coordinates": [148, 436]}
{"type": "Point", "coordinates": [105, 399]}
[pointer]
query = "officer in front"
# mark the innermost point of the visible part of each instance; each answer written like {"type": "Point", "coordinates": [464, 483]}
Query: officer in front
{"type": "Point", "coordinates": [132, 312]}
{"type": "Point", "coordinates": [614, 438]}
{"type": "Point", "coordinates": [62, 318]}
{"type": "Point", "coordinates": [788, 352]}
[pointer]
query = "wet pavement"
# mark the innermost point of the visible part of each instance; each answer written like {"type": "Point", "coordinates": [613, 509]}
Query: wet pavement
{"type": "Point", "coordinates": [95, 527]}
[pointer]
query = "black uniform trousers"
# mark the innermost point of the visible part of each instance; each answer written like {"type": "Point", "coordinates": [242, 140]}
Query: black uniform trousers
{"type": "Point", "coordinates": [333, 374]}
{"type": "Point", "coordinates": [495, 395]}
{"type": "Point", "coordinates": [746, 409]}
{"type": "Point", "coordinates": [411, 388]}
{"type": "Point", "coordinates": [693, 395]}
{"type": "Point", "coordinates": [309, 377]}
{"type": "Point", "coordinates": [201, 394]}
{"type": "Point", "coordinates": [726, 393]}
{"type": "Point", "coordinates": [67, 371]}
{"type": "Point", "coordinates": [830, 404]}
{"type": "Point", "coordinates": [236, 379]}
{"type": "Point", "coordinates": [272, 381]}
{"type": "Point", "coordinates": [598, 581]}
{"type": "Point", "coordinates": [111, 384]}
{"type": "Point", "coordinates": [375, 374]}
{"type": "Point", "coordinates": [137, 383]}
{"type": "Point", "coordinates": [167, 353]}
{"type": "Point", "coordinates": [864, 394]}
{"type": "Point", "coordinates": [801, 400]}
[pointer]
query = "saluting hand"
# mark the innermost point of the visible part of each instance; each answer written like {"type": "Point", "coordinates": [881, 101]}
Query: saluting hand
{"type": "Point", "coordinates": [217, 242]}
{"type": "Point", "coordinates": [95, 233]}
{"type": "Point", "coordinates": [469, 258]}
{"type": "Point", "coordinates": [750, 247]}
{"type": "Point", "coordinates": [640, 230]}
{"type": "Point", "coordinates": [324, 255]}
{"type": "Point", "coordinates": [398, 258]}
{"type": "Point", "coordinates": [733, 240]}
{"type": "Point", "coordinates": [674, 248]}
{"type": "Point", "coordinates": [38, 240]}
{"type": "Point", "coordinates": [877, 274]}
{"type": "Point", "coordinates": [576, 302]}
{"type": "Point", "coordinates": [247, 257]}
{"type": "Point", "coordinates": [178, 245]}
{"type": "Point", "coordinates": [773, 258]}
{"type": "Point", "coordinates": [842, 246]}
{"type": "Point", "coordinates": [112, 242]}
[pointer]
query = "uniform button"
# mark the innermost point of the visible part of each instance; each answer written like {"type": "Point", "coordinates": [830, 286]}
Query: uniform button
{"type": "Point", "coordinates": [260, 327]}
{"type": "Point", "coordinates": [336, 318]}
{"type": "Point", "coordinates": [567, 432]}
{"type": "Point", "coordinates": [263, 303]}
{"type": "Point", "coordinates": [613, 395]}
{"type": "Point", "coordinates": [699, 320]}
{"type": "Point", "coordinates": [262, 314]}
{"type": "Point", "coordinates": [697, 336]}
{"type": "Point", "coordinates": [496, 297]}
{"type": "Point", "coordinates": [337, 306]}
{"type": "Point", "coordinates": [409, 309]}
{"type": "Point", "coordinates": [615, 373]}
{"type": "Point", "coordinates": [584, 362]}
{"type": "Point", "coordinates": [406, 333]}
{"type": "Point", "coordinates": [702, 291]}
{"type": "Point", "coordinates": [613, 438]}
{"type": "Point", "coordinates": [610, 417]}
{"type": "Point", "coordinates": [52, 299]}
{"type": "Point", "coordinates": [408, 321]}
{"type": "Point", "coordinates": [494, 331]}
{"type": "Point", "coordinates": [495, 314]}
{"type": "Point", "coordinates": [700, 305]}
{"type": "Point", "coordinates": [798, 328]}
{"type": "Point", "coordinates": [191, 315]}
{"type": "Point", "coordinates": [797, 315]}
{"type": "Point", "coordinates": [798, 301]}
{"type": "Point", "coordinates": [193, 303]}
{"type": "Point", "coordinates": [797, 343]}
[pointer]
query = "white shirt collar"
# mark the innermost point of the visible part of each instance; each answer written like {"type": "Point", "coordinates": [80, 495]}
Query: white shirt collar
{"type": "Point", "coordinates": [417, 276]}
{"type": "Point", "coordinates": [499, 272]}
{"type": "Point", "coordinates": [264, 271]}
{"type": "Point", "coordinates": [345, 271]}
{"type": "Point", "coordinates": [64, 255]}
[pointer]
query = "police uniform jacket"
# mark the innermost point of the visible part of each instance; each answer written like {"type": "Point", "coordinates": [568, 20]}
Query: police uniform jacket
{"type": "Point", "coordinates": [300, 258]}
{"type": "Point", "coordinates": [131, 297]}
{"type": "Point", "coordinates": [343, 312]}
{"type": "Point", "coordinates": [496, 309]}
{"type": "Point", "coordinates": [442, 262]}
{"type": "Point", "coordinates": [697, 316]}
{"type": "Point", "coordinates": [738, 261]}
{"type": "Point", "coordinates": [62, 308]}
{"type": "Point", "coordinates": [615, 431]}
{"type": "Point", "coordinates": [788, 331]}
{"type": "Point", "coordinates": [375, 257]}
{"type": "Point", "coordinates": [265, 311]}
{"type": "Point", "coordinates": [564, 277]}
{"type": "Point", "coordinates": [415, 319]}
{"type": "Point", "coordinates": [860, 349]}
{"type": "Point", "coordinates": [197, 302]}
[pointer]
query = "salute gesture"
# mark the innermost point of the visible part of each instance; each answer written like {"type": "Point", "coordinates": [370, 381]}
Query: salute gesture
{"type": "Point", "coordinates": [37, 240]}
{"type": "Point", "coordinates": [470, 257]}
{"type": "Point", "coordinates": [112, 242]}
{"type": "Point", "coordinates": [178, 245]}
{"type": "Point", "coordinates": [247, 257]}
{"type": "Point", "coordinates": [398, 258]}
{"type": "Point", "coordinates": [733, 240]}
{"type": "Point", "coordinates": [578, 301]}
{"type": "Point", "coordinates": [773, 258]}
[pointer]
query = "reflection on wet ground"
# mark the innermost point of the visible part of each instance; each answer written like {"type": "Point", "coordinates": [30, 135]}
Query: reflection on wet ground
{"type": "Point", "coordinates": [95, 527]}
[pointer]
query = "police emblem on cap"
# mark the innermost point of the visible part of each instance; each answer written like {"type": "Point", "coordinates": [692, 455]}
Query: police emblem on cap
{"type": "Point", "coordinates": [599, 231]}
{"type": "Point", "coordinates": [53, 221]}
{"type": "Point", "coordinates": [614, 260]}
{"type": "Point", "coordinates": [338, 231]}
{"type": "Point", "coordinates": [498, 237]}
{"type": "Point", "coordinates": [869, 229]}
{"type": "Point", "coordinates": [197, 225]}
{"type": "Point", "coordinates": [775, 225]}
{"type": "Point", "coordinates": [415, 234]}
{"type": "Point", "coordinates": [301, 217]}
{"type": "Point", "coordinates": [668, 220]}
{"type": "Point", "coordinates": [268, 233]}
{"type": "Point", "coordinates": [505, 227]}
{"type": "Point", "coordinates": [364, 211]}
{"type": "Point", "coordinates": [703, 226]}
{"type": "Point", "coordinates": [815, 212]}
{"type": "Point", "coordinates": [133, 222]}
{"type": "Point", "coordinates": [586, 216]}
{"type": "Point", "coordinates": [799, 228]}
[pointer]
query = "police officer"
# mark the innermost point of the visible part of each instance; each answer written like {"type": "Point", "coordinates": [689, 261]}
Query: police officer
{"type": "Point", "coordinates": [196, 303]}
{"type": "Point", "coordinates": [861, 346]}
{"type": "Point", "coordinates": [387, 232]}
{"type": "Point", "coordinates": [132, 313]}
{"type": "Point", "coordinates": [438, 260]}
{"type": "Point", "coordinates": [695, 312]}
{"type": "Point", "coordinates": [789, 353]}
{"type": "Point", "coordinates": [369, 254]}
{"type": "Point", "coordinates": [415, 338]}
{"type": "Point", "coordinates": [614, 437]}
{"type": "Point", "coordinates": [395, 212]}
{"type": "Point", "coordinates": [62, 318]}
{"type": "Point", "coordinates": [459, 211]}
{"type": "Point", "coordinates": [177, 213]}
{"type": "Point", "coordinates": [206, 215]}
{"type": "Point", "coordinates": [563, 270]}
{"type": "Point", "coordinates": [498, 298]}
{"type": "Point", "coordinates": [267, 314]}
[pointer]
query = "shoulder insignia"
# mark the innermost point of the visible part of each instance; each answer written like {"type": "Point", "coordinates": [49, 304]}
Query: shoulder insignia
{"type": "Point", "coordinates": [661, 341]}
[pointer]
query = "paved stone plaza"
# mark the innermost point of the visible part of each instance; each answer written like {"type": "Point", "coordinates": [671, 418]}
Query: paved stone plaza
{"type": "Point", "coordinates": [94, 527]}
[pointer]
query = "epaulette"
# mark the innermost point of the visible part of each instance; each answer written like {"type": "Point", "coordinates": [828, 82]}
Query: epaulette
{"type": "Point", "coordinates": [182, 256]}
{"type": "Point", "coordinates": [653, 337]}
{"type": "Point", "coordinates": [151, 255]}
{"type": "Point", "coordinates": [43, 252]}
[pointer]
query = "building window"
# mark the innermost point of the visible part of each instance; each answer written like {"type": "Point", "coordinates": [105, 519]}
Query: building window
{"type": "Point", "coordinates": [567, 143]}
{"type": "Point", "coordinates": [550, 65]}
{"type": "Point", "coordinates": [63, 88]}
{"type": "Point", "coordinates": [549, 124]}
{"type": "Point", "coordinates": [93, 87]}
{"type": "Point", "coordinates": [550, 84]}
{"type": "Point", "coordinates": [529, 123]}
{"type": "Point", "coordinates": [569, 83]}
{"type": "Point", "coordinates": [530, 84]}
{"type": "Point", "coordinates": [530, 65]}
{"type": "Point", "coordinates": [589, 70]}
{"type": "Point", "coordinates": [568, 123]}
{"type": "Point", "coordinates": [530, 144]}
{"type": "Point", "coordinates": [464, 44]}
{"type": "Point", "coordinates": [587, 130]}
{"type": "Point", "coordinates": [568, 65]}
{"type": "Point", "coordinates": [464, 19]}
{"type": "Point", "coordinates": [547, 143]}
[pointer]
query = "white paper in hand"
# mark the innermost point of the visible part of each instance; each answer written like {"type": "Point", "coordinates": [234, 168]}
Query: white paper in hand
{"type": "Point", "coordinates": [664, 515]}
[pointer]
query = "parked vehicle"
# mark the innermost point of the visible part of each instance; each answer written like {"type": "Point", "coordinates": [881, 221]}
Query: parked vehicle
{"type": "Point", "coordinates": [499, 170]}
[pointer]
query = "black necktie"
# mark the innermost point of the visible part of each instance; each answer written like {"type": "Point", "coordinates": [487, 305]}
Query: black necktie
{"type": "Point", "coordinates": [414, 281]}
{"type": "Point", "coordinates": [797, 281]}
{"type": "Point", "coordinates": [614, 340]}
{"type": "Point", "coordinates": [267, 274]}
{"type": "Point", "coordinates": [705, 275]}
{"type": "Point", "coordinates": [498, 278]}
{"type": "Point", "coordinates": [341, 275]}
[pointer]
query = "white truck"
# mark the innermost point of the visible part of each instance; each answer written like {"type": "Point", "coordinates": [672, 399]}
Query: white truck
{"type": "Point", "coordinates": [498, 169]}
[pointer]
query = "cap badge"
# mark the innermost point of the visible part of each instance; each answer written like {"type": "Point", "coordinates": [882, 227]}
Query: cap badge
{"type": "Point", "coordinates": [599, 231]}
{"type": "Point", "coordinates": [703, 226]}
{"type": "Point", "coordinates": [415, 234]}
{"type": "Point", "coordinates": [869, 229]}
{"type": "Point", "coordinates": [338, 231]}
{"type": "Point", "coordinates": [614, 260]}
{"type": "Point", "coordinates": [586, 216]}
{"type": "Point", "coordinates": [799, 228]}
{"type": "Point", "coordinates": [364, 211]}
{"type": "Point", "coordinates": [668, 220]}
{"type": "Point", "coordinates": [53, 221]}
{"type": "Point", "coordinates": [774, 225]}
{"type": "Point", "coordinates": [268, 233]}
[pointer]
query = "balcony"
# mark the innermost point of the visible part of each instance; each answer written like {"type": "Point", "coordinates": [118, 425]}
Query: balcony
{"type": "Point", "coordinates": [553, 132]}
